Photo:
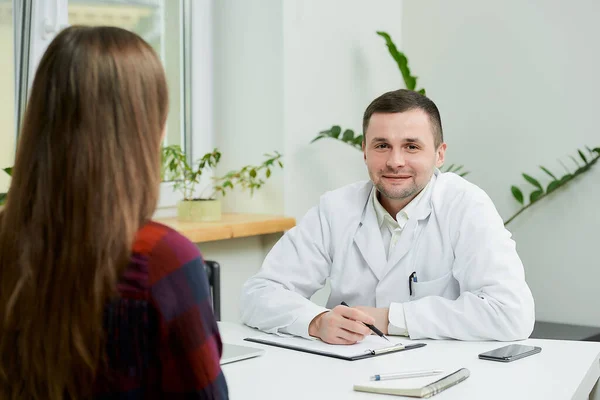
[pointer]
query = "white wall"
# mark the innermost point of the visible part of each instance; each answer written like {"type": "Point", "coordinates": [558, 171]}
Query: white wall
{"type": "Point", "coordinates": [516, 83]}
{"type": "Point", "coordinates": [335, 65]}
{"type": "Point", "coordinates": [285, 70]}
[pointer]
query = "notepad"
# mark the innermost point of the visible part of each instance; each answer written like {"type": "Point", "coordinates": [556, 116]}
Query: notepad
{"type": "Point", "coordinates": [371, 346]}
{"type": "Point", "coordinates": [422, 387]}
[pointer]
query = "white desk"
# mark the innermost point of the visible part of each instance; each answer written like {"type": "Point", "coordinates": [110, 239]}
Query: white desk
{"type": "Point", "coordinates": [563, 370]}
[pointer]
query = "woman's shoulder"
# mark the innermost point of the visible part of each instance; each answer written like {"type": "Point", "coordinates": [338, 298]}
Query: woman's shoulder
{"type": "Point", "coordinates": [165, 250]}
{"type": "Point", "coordinates": [154, 236]}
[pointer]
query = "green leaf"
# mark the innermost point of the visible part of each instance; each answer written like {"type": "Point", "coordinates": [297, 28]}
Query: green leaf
{"type": "Point", "coordinates": [463, 174]}
{"type": "Point", "coordinates": [535, 195]}
{"type": "Point", "coordinates": [582, 156]}
{"type": "Point", "coordinates": [548, 172]}
{"type": "Point", "coordinates": [449, 169]}
{"type": "Point", "coordinates": [401, 60]}
{"type": "Point", "coordinates": [566, 178]}
{"type": "Point", "coordinates": [253, 173]}
{"type": "Point", "coordinates": [553, 186]}
{"type": "Point", "coordinates": [358, 139]}
{"type": "Point", "coordinates": [517, 194]}
{"type": "Point", "coordinates": [348, 135]}
{"type": "Point", "coordinates": [8, 170]}
{"type": "Point", "coordinates": [335, 131]}
{"type": "Point", "coordinates": [318, 138]}
{"type": "Point", "coordinates": [268, 172]}
{"type": "Point", "coordinates": [280, 164]}
{"type": "Point", "coordinates": [597, 150]}
{"type": "Point", "coordinates": [458, 168]}
{"type": "Point", "coordinates": [422, 91]}
{"type": "Point", "coordinates": [533, 181]}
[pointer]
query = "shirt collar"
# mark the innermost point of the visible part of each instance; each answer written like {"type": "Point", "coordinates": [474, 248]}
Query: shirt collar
{"type": "Point", "coordinates": [411, 210]}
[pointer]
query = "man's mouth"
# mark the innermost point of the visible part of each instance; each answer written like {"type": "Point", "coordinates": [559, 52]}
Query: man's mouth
{"type": "Point", "coordinates": [397, 177]}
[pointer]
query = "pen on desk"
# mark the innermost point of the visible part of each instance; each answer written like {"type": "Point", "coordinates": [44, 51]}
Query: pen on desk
{"type": "Point", "coordinates": [407, 374]}
{"type": "Point", "coordinates": [371, 327]}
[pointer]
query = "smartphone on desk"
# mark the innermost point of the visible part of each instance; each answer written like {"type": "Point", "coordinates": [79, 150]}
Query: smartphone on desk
{"type": "Point", "coordinates": [510, 353]}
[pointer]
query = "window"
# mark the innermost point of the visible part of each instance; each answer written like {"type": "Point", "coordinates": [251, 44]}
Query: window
{"type": "Point", "coordinates": [179, 30]}
{"type": "Point", "coordinates": [7, 94]}
{"type": "Point", "coordinates": [159, 22]}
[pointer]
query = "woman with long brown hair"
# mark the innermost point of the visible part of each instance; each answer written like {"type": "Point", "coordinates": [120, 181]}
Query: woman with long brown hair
{"type": "Point", "coordinates": [96, 300]}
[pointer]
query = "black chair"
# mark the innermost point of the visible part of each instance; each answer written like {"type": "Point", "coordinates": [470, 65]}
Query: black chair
{"type": "Point", "coordinates": [213, 270]}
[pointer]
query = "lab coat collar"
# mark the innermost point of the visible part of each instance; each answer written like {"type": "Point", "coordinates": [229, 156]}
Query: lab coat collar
{"type": "Point", "coordinates": [368, 237]}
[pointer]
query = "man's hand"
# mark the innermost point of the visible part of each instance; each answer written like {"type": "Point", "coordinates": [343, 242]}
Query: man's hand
{"type": "Point", "coordinates": [380, 315]}
{"type": "Point", "coordinates": [342, 325]}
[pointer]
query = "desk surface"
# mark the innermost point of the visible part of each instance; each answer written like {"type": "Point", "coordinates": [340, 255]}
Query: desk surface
{"type": "Point", "coordinates": [563, 370]}
{"type": "Point", "coordinates": [230, 226]}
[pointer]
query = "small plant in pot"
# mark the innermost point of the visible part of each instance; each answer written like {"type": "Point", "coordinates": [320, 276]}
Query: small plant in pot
{"type": "Point", "coordinates": [205, 206]}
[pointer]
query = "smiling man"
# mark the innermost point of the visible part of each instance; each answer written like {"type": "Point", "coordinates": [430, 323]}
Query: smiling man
{"type": "Point", "coordinates": [413, 251]}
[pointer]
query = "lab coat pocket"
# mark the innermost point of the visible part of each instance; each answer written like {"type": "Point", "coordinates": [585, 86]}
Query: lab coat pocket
{"type": "Point", "coordinates": [437, 287]}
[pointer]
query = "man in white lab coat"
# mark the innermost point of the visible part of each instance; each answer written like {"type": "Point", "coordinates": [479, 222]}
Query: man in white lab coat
{"type": "Point", "coordinates": [413, 251]}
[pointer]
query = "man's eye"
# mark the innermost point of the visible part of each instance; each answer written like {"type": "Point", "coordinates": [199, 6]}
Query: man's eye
{"type": "Point", "coordinates": [381, 146]}
{"type": "Point", "coordinates": [412, 147]}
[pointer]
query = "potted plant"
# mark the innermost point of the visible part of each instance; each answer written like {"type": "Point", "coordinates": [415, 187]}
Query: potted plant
{"type": "Point", "coordinates": [205, 206]}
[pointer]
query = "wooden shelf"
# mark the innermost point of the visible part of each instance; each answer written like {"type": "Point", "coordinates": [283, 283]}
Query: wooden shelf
{"type": "Point", "coordinates": [230, 226]}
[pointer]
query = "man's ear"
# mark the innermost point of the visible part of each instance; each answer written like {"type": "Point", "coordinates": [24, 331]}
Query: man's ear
{"type": "Point", "coordinates": [440, 155]}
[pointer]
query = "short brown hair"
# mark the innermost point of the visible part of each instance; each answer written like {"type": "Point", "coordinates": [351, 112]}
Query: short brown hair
{"type": "Point", "coordinates": [403, 100]}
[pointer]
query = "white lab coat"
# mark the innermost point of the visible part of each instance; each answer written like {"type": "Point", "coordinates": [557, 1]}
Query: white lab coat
{"type": "Point", "coordinates": [471, 284]}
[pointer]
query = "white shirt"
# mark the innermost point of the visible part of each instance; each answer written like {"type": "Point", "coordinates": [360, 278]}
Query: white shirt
{"type": "Point", "coordinates": [391, 229]}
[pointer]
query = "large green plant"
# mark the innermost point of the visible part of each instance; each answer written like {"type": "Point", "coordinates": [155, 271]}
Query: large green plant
{"type": "Point", "coordinates": [185, 176]}
{"type": "Point", "coordinates": [410, 81]}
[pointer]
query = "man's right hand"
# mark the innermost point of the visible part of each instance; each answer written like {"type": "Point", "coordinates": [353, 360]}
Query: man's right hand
{"type": "Point", "coordinates": [342, 325]}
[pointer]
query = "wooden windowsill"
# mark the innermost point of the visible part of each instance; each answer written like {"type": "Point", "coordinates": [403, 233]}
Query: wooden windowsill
{"type": "Point", "coordinates": [230, 226]}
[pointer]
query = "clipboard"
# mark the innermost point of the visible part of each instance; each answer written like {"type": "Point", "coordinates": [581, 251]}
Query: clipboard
{"type": "Point", "coordinates": [359, 351]}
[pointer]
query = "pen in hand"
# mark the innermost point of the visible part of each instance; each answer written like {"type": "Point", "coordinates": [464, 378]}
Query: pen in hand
{"type": "Point", "coordinates": [371, 327]}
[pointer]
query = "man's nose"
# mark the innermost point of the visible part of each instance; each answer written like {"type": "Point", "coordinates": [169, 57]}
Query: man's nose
{"type": "Point", "coordinates": [396, 159]}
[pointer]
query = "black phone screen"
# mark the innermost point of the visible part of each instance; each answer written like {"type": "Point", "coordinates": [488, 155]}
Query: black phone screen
{"type": "Point", "coordinates": [510, 352]}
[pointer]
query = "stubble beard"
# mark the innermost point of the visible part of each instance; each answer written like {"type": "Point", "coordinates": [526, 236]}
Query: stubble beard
{"type": "Point", "coordinates": [400, 194]}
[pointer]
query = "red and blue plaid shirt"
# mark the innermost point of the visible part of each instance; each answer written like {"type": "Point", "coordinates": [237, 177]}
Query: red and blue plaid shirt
{"type": "Point", "coordinates": [162, 337]}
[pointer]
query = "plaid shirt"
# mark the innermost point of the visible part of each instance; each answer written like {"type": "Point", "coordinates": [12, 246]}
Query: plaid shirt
{"type": "Point", "coordinates": [162, 338]}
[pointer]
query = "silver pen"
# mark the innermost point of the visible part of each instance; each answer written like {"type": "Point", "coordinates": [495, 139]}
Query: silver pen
{"type": "Point", "coordinates": [406, 374]}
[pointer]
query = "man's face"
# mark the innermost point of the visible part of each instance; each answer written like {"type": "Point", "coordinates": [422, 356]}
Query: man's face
{"type": "Point", "coordinates": [400, 154]}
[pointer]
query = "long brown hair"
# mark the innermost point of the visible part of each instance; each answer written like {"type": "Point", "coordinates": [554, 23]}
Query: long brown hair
{"type": "Point", "coordinates": [85, 179]}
